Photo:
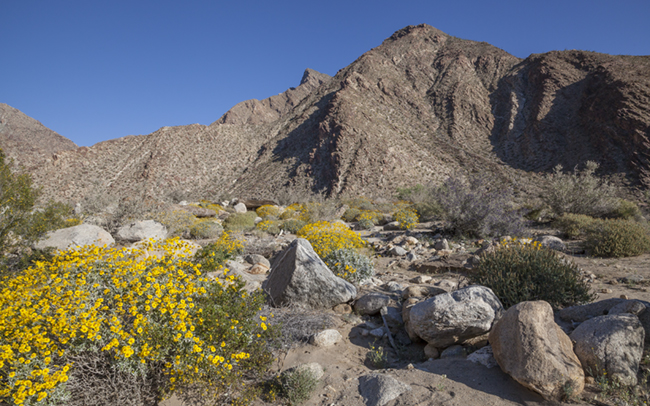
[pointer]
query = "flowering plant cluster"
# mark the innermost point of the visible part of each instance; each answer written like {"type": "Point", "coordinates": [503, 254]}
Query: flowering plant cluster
{"type": "Point", "coordinates": [268, 211]}
{"type": "Point", "coordinates": [407, 217]}
{"type": "Point", "coordinates": [146, 314]}
{"type": "Point", "coordinates": [338, 247]}
{"type": "Point", "coordinates": [212, 256]}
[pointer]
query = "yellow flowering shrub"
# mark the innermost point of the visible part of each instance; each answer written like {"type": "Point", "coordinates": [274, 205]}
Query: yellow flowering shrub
{"type": "Point", "coordinates": [326, 237]}
{"type": "Point", "coordinates": [213, 255]}
{"type": "Point", "coordinates": [157, 316]}
{"type": "Point", "coordinates": [368, 218]}
{"type": "Point", "coordinates": [177, 221]}
{"type": "Point", "coordinates": [268, 211]}
{"type": "Point", "coordinates": [407, 217]}
{"type": "Point", "coordinates": [269, 226]}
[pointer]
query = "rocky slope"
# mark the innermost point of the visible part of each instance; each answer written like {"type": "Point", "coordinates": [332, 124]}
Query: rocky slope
{"type": "Point", "coordinates": [28, 141]}
{"type": "Point", "coordinates": [418, 107]}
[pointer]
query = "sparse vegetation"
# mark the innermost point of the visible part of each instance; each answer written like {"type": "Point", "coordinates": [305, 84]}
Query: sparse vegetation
{"type": "Point", "coordinates": [298, 386]}
{"type": "Point", "coordinates": [240, 221]}
{"type": "Point", "coordinates": [617, 238]}
{"type": "Point", "coordinates": [377, 357]}
{"type": "Point", "coordinates": [518, 272]}
{"type": "Point", "coordinates": [205, 228]}
{"type": "Point", "coordinates": [580, 192]}
{"type": "Point", "coordinates": [573, 225]}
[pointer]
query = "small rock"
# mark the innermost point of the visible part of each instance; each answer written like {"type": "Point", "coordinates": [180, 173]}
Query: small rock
{"type": "Point", "coordinates": [393, 287]}
{"type": "Point", "coordinates": [441, 245]}
{"type": "Point", "coordinates": [371, 303]}
{"type": "Point", "coordinates": [378, 332]}
{"type": "Point", "coordinates": [551, 242]}
{"type": "Point", "coordinates": [258, 269]}
{"type": "Point", "coordinates": [257, 259]}
{"type": "Point", "coordinates": [315, 369]}
{"type": "Point", "coordinates": [392, 226]}
{"type": "Point", "coordinates": [605, 290]}
{"type": "Point", "coordinates": [397, 251]}
{"type": "Point", "coordinates": [411, 240]}
{"type": "Point", "coordinates": [411, 256]}
{"type": "Point", "coordinates": [484, 356]}
{"type": "Point", "coordinates": [421, 291]}
{"type": "Point", "coordinates": [421, 279]}
{"type": "Point", "coordinates": [431, 352]}
{"type": "Point", "coordinates": [455, 351]}
{"type": "Point", "coordinates": [633, 279]}
{"type": "Point", "coordinates": [624, 297]}
{"type": "Point", "coordinates": [378, 390]}
{"type": "Point", "coordinates": [343, 308]}
{"type": "Point", "coordinates": [240, 208]}
{"type": "Point", "coordinates": [326, 338]}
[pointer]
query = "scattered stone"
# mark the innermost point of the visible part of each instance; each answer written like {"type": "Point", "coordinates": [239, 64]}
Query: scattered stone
{"type": "Point", "coordinates": [441, 245]}
{"type": "Point", "coordinates": [411, 240]}
{"type": "Point", "coordinates": [240, 208]}
{"type": "Point", "coordinates": [397, 251]}
{"type": "Point", "coordinates": [452, 318]}
{"type": "Point", "coordinates": [614, 343]}
{"type": "Point", "coordinates": [406, 311]}
{"type": "Point", "coordinates": [142, 230]}
{"type": "Point", "coordinates": [483, 356]}
{"type": "Point", "coordinates": [633, 279]}
{"type": "Point", "coordinates": [378, 390]}
{"type": "Point", "coordinates": [198, 212]}
{"type": "Point", "coordinates": [371, 303]}
{"type": "Point", "coordinates": [257, 259]}
{"type": "Point", "coordinates": [450, 263]}
{"type": "Point", "coordinates": [624, 297]}
{"type": "Point", "coordinates": [257, 220]}
{"type": "Point", "coordinates": [392, 226]}
{"type": "Point", "coordinates": [605, 290]}
{"type": "Point", "coordinates": [325, 338]}
{"type": "Point", "coordinates": [455, 351]}
{"type": "Point", "coordinates": [393, 287]}
{"type": "Point", "coordinates": [421, 291]}
{"type": "Point", "coordinates": [446, 284]}
{"type": "Point", "coordinates": [343, 308]}
{"type": "Point", "coordinates": [393, 317]}
{"type": "Point", "coordinates": [551, 242]}
{"type": "Point", "coordinates": [634, 307]}
{"type": "Point", "coordinates": [77, 236]}
{"type": "Point", "coordinates": [411, 256]}
{"type": "Point", "coordinates": [431, 351]}
{"type": "Point", "coordinates": [535, 352]}
{"type": "Point", "coordinates": [299, 277]}
{"type": "Point", "coordinates": [378, 332]}
{"type": "Point", "coordinates": [421, 279]}
{"type": "Point", "coordinates": [258, 269]}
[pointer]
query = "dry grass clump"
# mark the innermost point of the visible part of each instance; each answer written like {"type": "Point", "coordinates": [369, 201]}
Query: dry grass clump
{"type": "Point", "coordinates": [297, 324]}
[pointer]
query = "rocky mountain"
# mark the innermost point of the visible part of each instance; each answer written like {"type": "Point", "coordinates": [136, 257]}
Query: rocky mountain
{"type": "Point", "coordinates": [28, 141]}
{"type": "Point", "coordinates": [416, 108]}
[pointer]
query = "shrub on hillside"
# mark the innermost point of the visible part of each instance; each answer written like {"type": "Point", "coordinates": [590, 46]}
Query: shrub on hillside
{"type": "Point", "coordinates": [579, 192]}
{"type": "Point", "coordinates": [269, 226]}
{"type": "Point", "coordinates": [626, 210]}
{"type": "Point", "coordinates": [178, 222]}
{"type": "Point", "coordinates": [424, 200]}
{"type": "Point", "coordinates": [292, 225]}
{"type": "Point", "coordinates": [407, 217]}
{"type": "Point", "coordinates": [268, 211]}
{"type": "Point", "coordinates": [351, 214]}
{"type": "Point", "coordinates": [240, 221]}
{"type": "Point", "coordinates": [213, 255]}
{"type": "Point", "coordinates": [573, 225]}
{"type": "Point", "coordinates": [350, 265]}
{"type": "Point", "coordinates": [478, 208]}
{"type": "Point", "coordinates": [368, 219]}
{"type": "Point", "coordinates": [206, 228]}
{"type": "Point", "coordinates": [521, 272]}
{"type": "Point", "coordinates": [21, 224]}
{"type": "Point", "coordinates": [617, 238]}
{"type": "Point", "coordinates": [111, 328]}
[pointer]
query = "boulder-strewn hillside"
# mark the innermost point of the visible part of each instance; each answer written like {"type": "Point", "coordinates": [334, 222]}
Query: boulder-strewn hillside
{"type": "Point", "coordinates": [421, 105]}
{"type": "Point", "coordinates": [26, 140]}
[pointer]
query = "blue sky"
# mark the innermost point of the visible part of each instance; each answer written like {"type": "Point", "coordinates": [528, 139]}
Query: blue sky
{"type": "Point", "coordinates": [96, 70]}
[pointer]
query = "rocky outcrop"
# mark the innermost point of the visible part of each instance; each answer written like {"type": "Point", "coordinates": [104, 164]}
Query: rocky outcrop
{"type": "Point", "coordinates": [452, 318]}
{"type": "Point", "coordinates": [531, 348]}
{"type": "Point", "coordinates": [77, 236]}
{"type": "Point", "coordinates": [142, 230]}
{"type": "Point", "coordinates": [300, 278]}
{"type": "Point", "coordinates": [611, 344]}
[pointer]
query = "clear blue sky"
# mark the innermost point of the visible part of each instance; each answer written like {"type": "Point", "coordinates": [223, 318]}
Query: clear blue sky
{"type": "Point", "coordinates": [95, 70]}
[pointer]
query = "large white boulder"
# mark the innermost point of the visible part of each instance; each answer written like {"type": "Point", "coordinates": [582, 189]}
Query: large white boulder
{"type": "Point", "coordinates": [142, 230]}
{"type": "Point", "coordinates": [77, 236]}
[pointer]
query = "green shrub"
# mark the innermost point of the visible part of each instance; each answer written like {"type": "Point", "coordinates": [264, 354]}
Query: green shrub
{"type": "Point", "coordinates": [573, 225]}
{"type": "Point", "coordinates": [351, 214]}
{"type": "Point", "coordinates": [617, 238]}
{"type": "Point", "coordinates": [407, 218]}
{"type": "Point", "coordinates": [368, 219]}
{"type": "Point", "coordinates": [349, 264]}
{"type": "Point", "coordinates": [269, 226]}
{"type": "Point", "coordinates": [102, 327]}
{"type": "Point", "coordinates": [213, 255]}
{"type": "Point", "coordinates": [298, 385]}
{"type": "Point", "coordinates": [580, 192]}
{"type": "Point", "coordinates": [292, 225]}
{"type": "Point", "coordinates": [523, 272]}
{"type": "Point", "coordinates": [178, 222]}
{"type": "Point", "coordinates": [361, 203]}
{"type": "Point", "coordinates": [626, 210]}
{"type": "Point", "coordinates": [423, 199]}
{"type": "Point", "coordinates": [268, 211]}
{"type": "Point", "coordinates": [203, 229]}
{"type": "Point", "coordinates": [240, 221]}
{"type": "Point", "coordinates": [20, 223]}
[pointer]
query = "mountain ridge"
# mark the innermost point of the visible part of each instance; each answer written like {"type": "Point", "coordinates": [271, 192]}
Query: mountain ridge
{"type": "Point", "coordinates": [416, 108]}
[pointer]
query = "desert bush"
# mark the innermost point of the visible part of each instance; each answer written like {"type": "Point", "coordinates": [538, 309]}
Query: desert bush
{"type": "Point", "coordinates": [158, 323]}
{"type": "Point", "coordinates": [361, 203]}
{"type": "Point", "coordinates": [626, 210]}
{"type": "Point", "coordinates": [213, 255]}
{"type": "Point", "coordinates": [298, 386]}
{"type": "Point", "coordinates": [407, 217]}
{"type": "Point", "coordinates": [573, 225]}
{"type": "Point", "coordinates": [240, 221]}
{"type": "Point", "coordinates": [350, 265]}
{"type": "Point", "coordinates": [21, 224]}
{"type": "Point", "coordinates": [292, 225]}
{"type": "Point", "coordinates": [178, 222]}
{"type": "Point", "coordinates": [269, 226]}
{"type": "Point", "coordinates": [579, 192]}
{"type": "Point", "coordinates": [268, 211]}
{"type": "Point", "coordinates": [478, 208]}
{"type": "Point", "coordinates": [518, 272]}
{"type": "Point", "coordinates": [351, 214]}
{"type": "Point", "coordinates": [368, 219]}
{"type": "Point", "coordinates": [326, 237]}
{"type": "Point", "coordinates": [617, 238]}
{"type": "Point", "coordinates": [205, 228]}
{"type": "Point", "coordinates": [423, 199]}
